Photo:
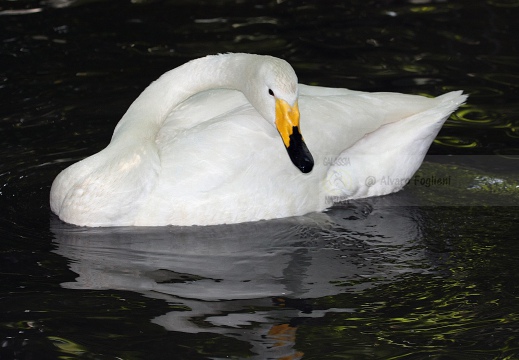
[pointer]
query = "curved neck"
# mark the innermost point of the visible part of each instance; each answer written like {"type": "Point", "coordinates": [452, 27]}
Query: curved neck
{"type": "Point", "coordinates": [147, 113]}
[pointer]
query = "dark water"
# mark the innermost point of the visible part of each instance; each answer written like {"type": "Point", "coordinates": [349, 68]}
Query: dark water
{"type": "Point", "coordinates": [430, 272]}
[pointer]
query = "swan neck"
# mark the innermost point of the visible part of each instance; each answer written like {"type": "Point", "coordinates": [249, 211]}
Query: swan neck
{"type": "Point", "coordinates": [148, 112]}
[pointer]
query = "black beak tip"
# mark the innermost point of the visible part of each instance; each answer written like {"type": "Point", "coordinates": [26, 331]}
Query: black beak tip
{"type": "Point", "coordinates": [299, 153]}
{"type": "Point", "coordinates": [306, 165]}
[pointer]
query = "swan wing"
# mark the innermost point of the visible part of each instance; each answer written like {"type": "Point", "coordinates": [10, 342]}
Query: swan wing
{"type": "Point", "coordinates": [384, 161]}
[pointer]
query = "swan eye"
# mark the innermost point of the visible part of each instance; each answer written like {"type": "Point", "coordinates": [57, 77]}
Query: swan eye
{"type": "Point", "coordinates": [271, 93]}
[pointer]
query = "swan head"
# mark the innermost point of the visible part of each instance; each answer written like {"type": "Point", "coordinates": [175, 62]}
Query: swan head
{"type": "Point", "coordinates": [272, 89]}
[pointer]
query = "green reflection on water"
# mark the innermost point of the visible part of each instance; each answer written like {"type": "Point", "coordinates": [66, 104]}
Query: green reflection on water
{"type": "Point", "coordinates": [480, 116]}
{"type": "Point", "coordinates": [504, 3]}
{"type": "Point", "coordinates": [67, 347]}
{"type": "Point", "coordinates": [458, 142]}
{"type": "Point", "coordinates": [503, 78]}
{"type": "Point", "coordinates": [422, 9]}
{"type": "Point", "coordinates": [463, 311]}
{"type": "Point", "coordinates": [513, 132]}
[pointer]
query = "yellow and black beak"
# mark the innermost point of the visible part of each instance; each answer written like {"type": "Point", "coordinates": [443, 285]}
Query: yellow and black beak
{"type": "Point", "coordinates": [287, 123]}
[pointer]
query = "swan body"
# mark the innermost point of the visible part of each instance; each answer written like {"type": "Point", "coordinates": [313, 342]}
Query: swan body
{"type": "Point", "coordinates": [207, 143]}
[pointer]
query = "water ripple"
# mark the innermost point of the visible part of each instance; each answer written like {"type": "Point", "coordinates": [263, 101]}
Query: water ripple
{"type": "Point", "coordinates": [456, 141]}
{"type": "Point", "coordinates": [504, 3]}
{"type": "Point", "coordinates": [481, 117]}
{"type": "Point", "coordinates": [502, 78]}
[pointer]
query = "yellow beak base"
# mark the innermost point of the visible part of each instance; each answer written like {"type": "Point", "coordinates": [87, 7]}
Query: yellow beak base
{"type": "Point", "coordinates": [287, 123]}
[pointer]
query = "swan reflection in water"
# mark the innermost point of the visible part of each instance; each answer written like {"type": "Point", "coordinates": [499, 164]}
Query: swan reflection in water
{"type": "Point", "coordinates": [218, 272]}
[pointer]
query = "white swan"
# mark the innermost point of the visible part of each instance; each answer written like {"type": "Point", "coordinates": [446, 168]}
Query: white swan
{"type": "Point", "coordinates": [201, 145]}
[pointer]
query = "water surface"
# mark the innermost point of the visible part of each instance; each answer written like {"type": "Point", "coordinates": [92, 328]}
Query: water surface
{"type": "Point", "coordinates": [430, 272]}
